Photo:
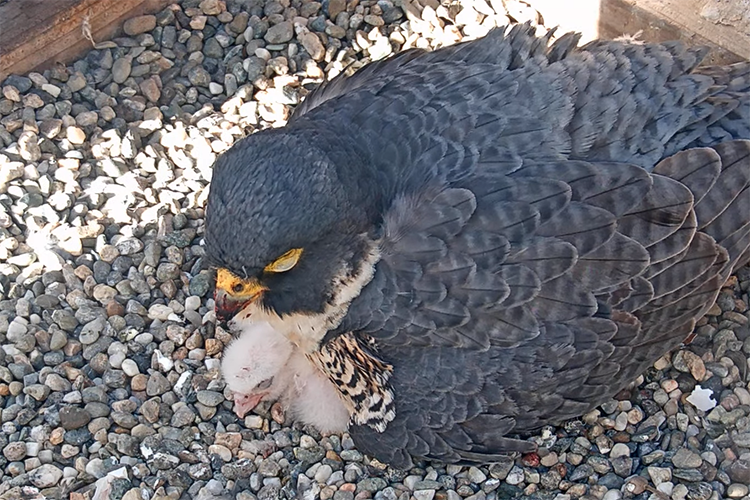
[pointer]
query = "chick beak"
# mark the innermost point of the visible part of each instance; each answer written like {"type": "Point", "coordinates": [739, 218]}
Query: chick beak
{"type": "Point", "coordinates": [244, 404]}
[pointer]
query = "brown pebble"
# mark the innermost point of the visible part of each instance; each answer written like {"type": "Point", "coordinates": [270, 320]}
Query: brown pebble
{"type": "Point", "coordinates": [277, 413]}
{"type": "Point", "coordinates": [114, 308]}
{"type": "Point", "coordinates": [636, 485]}
{"type": "Point", "coordinates": [223, 336]}
{"type": "Point", "coordinates": [138, 383]}
{"type": "Point", "coordinates": [332, 455]}
{"type": "Point", "coordinates": [180, 353]}
{"type": "Point", "coordinates": [714, 311]}
{"type": "Point", "coordinates": [83, 272]}
{"type": "Point", "coordinates": [348, 487]}
{"type": "Point", "coordinates": [560, 469]}
{"type": "Point", "coordinates": [42, 339]}
{"type": "Point", "coordinates": [213, 347]}
{"type": "Point", "coordinates": [230, 440]}
{"type": "Point", "coordinates": [56, 436]}
{"type": "Point", "coordinates": [72, 348]}
{"type": "Point", "coordinates": [195, 341]}
{"type": "Point", "coordinates": [621, 437]}
{"type": "Point", "coordinates": [4, 390]}
{"type": "Point", "coordinates": [669, 385]}
{"type": "Point", "coordinates": [71, 373]}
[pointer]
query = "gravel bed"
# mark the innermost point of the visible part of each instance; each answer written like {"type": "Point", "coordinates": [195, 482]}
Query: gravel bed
{"type": "Point", "coordinates": [109, 368]}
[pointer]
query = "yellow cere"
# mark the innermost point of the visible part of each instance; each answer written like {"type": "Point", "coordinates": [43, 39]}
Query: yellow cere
{"type": "Point", "coordinates": [234, 285]}
{"type": "Point", "coordinates": [285, 262]}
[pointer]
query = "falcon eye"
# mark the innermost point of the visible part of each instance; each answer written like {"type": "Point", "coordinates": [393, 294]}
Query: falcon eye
{"type": "Point", "coordinates": [264, 384]}
{"type": "Point", "coordinates": [237, 287]}
{"type": "Point", "coordinates": [285, 262]}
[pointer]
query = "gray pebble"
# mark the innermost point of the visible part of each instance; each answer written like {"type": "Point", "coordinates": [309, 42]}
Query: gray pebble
{"type": "Point", "coordinates": [279, 33]}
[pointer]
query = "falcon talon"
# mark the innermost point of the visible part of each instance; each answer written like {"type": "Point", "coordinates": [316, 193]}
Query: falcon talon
{"type": "Point", "coordinates": [456, 248]}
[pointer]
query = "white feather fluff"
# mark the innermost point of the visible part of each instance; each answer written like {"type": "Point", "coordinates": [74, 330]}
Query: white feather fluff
{"type": "Point", "coordinates": [260, 353]}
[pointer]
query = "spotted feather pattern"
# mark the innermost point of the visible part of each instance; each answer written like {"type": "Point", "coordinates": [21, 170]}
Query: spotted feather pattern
{"type": "Point", "coordinates": [362, 379]}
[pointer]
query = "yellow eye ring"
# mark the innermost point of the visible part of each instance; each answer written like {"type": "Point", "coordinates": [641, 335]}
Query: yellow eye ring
{"type": "Point", "coordinates": [285, 262]}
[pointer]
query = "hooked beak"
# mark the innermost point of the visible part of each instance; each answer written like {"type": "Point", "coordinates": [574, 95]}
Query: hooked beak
{"type": "Point", "coordinates": [233, 294]}
{"type": "Point", "coordinates": [244, 403]}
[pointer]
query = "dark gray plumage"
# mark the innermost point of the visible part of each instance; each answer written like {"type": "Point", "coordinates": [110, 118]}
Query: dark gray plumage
{"type": "Point", "coordinates": [549, 220]}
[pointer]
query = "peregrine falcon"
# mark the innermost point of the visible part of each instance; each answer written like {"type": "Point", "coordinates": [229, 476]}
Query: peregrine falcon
{"type": "Point", "coordinates": [477, 241]}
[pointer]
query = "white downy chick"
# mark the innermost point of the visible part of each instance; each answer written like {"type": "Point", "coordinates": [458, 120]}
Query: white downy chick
{"type": "Point", "coordinates": [253, 366]}
{"type": "Point", "coordinates": [263, 365]}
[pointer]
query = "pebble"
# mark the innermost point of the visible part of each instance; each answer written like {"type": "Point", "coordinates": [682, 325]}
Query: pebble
{"type": "Point", "coordinates": [121, 69]}
{"type": "Point", "coordinates": [687, 361]}
{"type": "Point", "coordinates": [45, 476]}
{"type": "Point", "coordinates": [76, 82]}
{"type": "Point", "coordinates": [686, 459]}
{"type": "Point", "coordinates": [476, 475]}
{"type": "Point", "coordinates": [75, 135]}
{"type": "Point", "coordinates": [279, 33]}
{"type": "Point", "coordinates": [737, 490]}
{"type": "Point", "coordinates": [72, 417]}
{"type": "Point", "coordinates": [515, 476]}
{"type": "Point", "coordinates": [141, 24]}
{"type": "Point", "coordinates": [312, 45]}
{"type": "Point", "coordinates": [15, 451]}
{"type": "Point", "coordinates": [130, 368]}
{"type": "Point", "coordinates": [619, 450]}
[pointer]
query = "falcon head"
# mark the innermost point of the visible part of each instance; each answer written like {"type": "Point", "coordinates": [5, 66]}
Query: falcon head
{"type": "Point", "coordinates": [253, 366]}
{"type": "Point", "coordinates": [288, 227]}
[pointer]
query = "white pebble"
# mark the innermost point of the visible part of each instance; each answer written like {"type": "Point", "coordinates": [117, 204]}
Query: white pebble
{"type": "Point", "coordinates": [73, 397]}
{"type": "Point", "coordinates": [159, 311]}
{"type": "Point", "coordinates": [621, 422]}
{"type": "Point", "coordinates": [743, 395]}
{"type": "Point", "coordinates": [52, 90]}
{"type": "Point", "coordinates": [32, 449]}
{"type": "Point", "coordinates": [130, 368]}
{"type": "Point", "coordinates": [612, 495]}
{"type": "Point", "coordinates": [515, 476]}
{"type": "Point", "coordinates": [165, 363]}
{"type": "Point", "coordinates": [144, 338]}
{"type": "Point", "coordinates": [192, 303]}
{"type": "Point", "coordinates": [16, 328]}
{"type": "Point", "coordinates": [254, 422]}
{"type": "Point", "coordinates": [212, 363]}
{"type": "Point", "coordinates": [116, 360]}
{"type": "Point", "coordinates": [666, 488]}
{"type": "Point", "coordinates": [619, 450]}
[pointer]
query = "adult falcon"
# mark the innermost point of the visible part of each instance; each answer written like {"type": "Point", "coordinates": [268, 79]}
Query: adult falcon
{"type": "Point", "coordinates": [498, 235]}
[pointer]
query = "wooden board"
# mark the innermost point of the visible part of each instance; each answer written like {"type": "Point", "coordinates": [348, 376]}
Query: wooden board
{"type": "Point", "coordinates": [722, 25]}
{"type": "Point", "coordinates": [35, 34]}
